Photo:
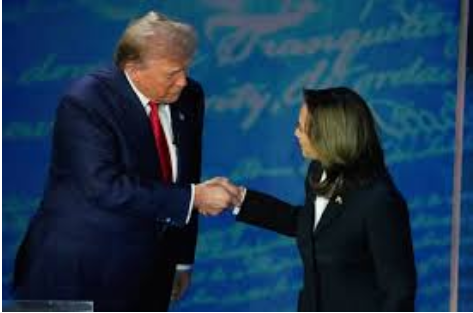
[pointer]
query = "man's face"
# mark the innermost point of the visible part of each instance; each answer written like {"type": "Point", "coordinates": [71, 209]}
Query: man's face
{"type": "Point", "coordinates": [160, 80]}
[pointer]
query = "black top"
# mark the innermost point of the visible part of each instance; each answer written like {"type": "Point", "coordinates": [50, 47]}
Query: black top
{"type": "Point", "coordinates": [360, 256]}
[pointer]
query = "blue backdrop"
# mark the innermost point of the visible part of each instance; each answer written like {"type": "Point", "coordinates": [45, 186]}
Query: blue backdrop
{"type": "Point", "coordinates": [254, 58]}
{"type": "Point", "coordinates": [466, 239]}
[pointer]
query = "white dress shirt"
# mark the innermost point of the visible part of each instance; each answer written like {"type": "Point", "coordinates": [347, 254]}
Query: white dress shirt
{"type": "Point", "coordinates": [320, 204]}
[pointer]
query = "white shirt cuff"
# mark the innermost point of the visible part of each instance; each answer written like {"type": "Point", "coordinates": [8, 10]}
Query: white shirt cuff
{"type": "Point", "coordinates": [183, 267]}
{"type": "Point", "coordinates": [237, 209]}
{"type": "Point", "coordinates": [191, 204]}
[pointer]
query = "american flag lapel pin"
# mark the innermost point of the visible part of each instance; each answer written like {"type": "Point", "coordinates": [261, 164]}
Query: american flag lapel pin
{"type": "Point", "coordinates": [338, 200]}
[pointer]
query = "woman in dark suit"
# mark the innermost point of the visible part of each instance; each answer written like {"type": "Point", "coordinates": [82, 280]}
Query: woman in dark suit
{"type": "Point", "coordinates": [353, 231]}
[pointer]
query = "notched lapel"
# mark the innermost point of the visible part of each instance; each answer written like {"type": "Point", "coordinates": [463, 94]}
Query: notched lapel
{"type": "Point", "coordinates": [177, 118]}
{"type": "Point", "coordinates": [133, 116]}
{"type": "Point", "coordinates": [335, 208]}
{"type": "Point", "coordinates": [135, 123]}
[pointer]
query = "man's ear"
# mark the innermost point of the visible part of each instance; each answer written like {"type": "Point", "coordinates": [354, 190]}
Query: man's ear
{"type": "Point", "coordinates": [133, 71]}
{"type": "Point", "coordinates": [130, 68]}
{"type": "Point", "coordinates": [133, 66]}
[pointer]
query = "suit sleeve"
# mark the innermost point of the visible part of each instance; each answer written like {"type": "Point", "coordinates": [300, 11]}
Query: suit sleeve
{"type": "Point", "coordinates": [392, 252]}
{"type": "Point", "coordinates": [86, 149]}
{"type": "Point", "coordinates": [268, 212]}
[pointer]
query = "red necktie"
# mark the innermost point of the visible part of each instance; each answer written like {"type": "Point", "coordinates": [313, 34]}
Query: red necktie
{"type": "Point", "coordinates": [160, 142]}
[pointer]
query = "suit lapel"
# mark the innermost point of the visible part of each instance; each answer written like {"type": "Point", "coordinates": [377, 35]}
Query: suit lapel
{"type": "Point", "coordinates": [334, 209]}
{"type": "Point", "coordinates": [135, 123]}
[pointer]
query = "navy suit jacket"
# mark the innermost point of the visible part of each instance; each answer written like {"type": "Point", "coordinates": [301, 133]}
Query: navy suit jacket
{"type": "Point", "coordinates": [108, 230]}
{"type": "Point", "coordinates": [360, 256]}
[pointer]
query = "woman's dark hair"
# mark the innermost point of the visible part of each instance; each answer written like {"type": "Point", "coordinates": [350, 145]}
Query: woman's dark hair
{"type": "Point", "coordinates": [342, 130]}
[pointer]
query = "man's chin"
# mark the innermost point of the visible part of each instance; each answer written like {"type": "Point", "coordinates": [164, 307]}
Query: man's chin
{"type": "Point", "coordinates": [173, 98]}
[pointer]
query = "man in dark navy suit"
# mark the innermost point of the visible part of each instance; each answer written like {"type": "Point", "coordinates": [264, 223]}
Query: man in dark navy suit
{"type": "Point", "coordinates": [118, 220]}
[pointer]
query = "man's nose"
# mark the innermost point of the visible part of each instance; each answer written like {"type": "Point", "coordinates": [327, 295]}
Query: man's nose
{"type": "Point", "coordinates": [182, 80]}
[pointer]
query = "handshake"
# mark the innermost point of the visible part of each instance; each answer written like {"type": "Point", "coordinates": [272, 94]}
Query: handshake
{"type": "Point", "coordinates": [213, 196]}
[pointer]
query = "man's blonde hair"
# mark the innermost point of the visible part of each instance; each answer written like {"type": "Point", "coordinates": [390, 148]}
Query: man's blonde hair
{"type": "Point", "coordinates": [155, 36]}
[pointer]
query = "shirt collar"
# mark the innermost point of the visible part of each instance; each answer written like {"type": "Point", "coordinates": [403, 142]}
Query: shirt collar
{"type": "Point", "coordinates": [323, 176]}
{"type": "Point", "coordinates": [143, 99]}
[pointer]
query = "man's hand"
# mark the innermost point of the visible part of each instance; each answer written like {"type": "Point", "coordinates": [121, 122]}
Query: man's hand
{"type": "Point", "coordinates": [213, 196]}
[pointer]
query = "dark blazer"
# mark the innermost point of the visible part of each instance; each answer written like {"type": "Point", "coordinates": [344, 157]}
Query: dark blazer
{"type": "Point", "coordinates": [360, 256]}
{"type": "Point", "coordinates": [107, 229]}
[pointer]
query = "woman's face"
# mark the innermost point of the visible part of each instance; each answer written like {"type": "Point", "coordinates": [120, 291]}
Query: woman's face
{"type": "Point", "coordinates": [307, 147]}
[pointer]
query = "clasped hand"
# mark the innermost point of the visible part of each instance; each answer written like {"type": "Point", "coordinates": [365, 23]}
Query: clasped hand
{"type": "Point", "coordinates": [214, 195]}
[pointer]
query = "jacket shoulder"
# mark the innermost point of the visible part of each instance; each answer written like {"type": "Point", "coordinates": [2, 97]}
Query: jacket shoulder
{"type": "Point", "coordinates": [90, 83]}
{"type": "Point", "coordinates": [382, 195]}
{"type": "Point", "coordinates": [95, 89]}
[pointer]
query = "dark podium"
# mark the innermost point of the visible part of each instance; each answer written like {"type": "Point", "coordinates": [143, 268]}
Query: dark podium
{"type": "Point", "coordinates": [46, 306]}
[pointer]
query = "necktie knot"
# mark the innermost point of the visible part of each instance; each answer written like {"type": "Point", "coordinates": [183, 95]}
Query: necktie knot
{"type": "Point", "coordinates": [153, 104]}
